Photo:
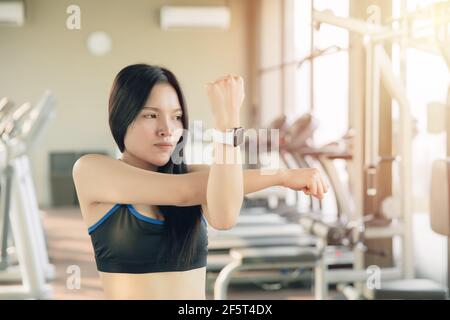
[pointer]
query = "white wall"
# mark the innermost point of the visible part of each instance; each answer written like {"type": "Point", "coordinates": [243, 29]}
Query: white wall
{"type": "Point", "coordinates": [44, 54]}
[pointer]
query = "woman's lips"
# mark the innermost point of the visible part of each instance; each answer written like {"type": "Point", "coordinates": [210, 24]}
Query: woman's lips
{"type": "Point", "coordinates": [164, 146]}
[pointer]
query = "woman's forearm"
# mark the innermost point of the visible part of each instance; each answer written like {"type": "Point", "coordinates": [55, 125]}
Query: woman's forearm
{"type": "Point", "coordinates": [225, 187]}
{"type": "Point", "coordinates": [214, 180]}
{"type": "Point", "coordinates": [253, 180]}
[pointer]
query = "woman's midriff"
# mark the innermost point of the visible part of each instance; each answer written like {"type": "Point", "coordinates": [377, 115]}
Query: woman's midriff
{"type": "Point", "coordinates": [177, 285]}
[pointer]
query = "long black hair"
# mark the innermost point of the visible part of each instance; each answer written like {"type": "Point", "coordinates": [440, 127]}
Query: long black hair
{"type": "Point", "coordinates": [129, 93]}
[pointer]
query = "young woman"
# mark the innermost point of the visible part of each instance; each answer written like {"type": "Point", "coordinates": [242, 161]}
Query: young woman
{"type": "Point", "coordinates": [147, 212]}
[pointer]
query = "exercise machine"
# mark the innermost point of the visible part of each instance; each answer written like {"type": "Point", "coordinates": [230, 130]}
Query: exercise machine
{"type": "Point", "coordinates": [21, 221]}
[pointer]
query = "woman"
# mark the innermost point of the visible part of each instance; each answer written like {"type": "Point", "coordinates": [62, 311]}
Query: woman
{"type": "Point", "coordinates": [147, 212]}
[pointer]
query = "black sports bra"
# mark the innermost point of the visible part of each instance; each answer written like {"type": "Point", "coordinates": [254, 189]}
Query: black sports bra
{"type": "Point", "coordinates": [126, 241]}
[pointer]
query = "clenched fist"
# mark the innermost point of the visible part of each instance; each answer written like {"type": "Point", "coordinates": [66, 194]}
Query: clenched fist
{"type": "Point", "coordinates": [226, 95]}
{"type": "Point", "coordinates": [307, 180]}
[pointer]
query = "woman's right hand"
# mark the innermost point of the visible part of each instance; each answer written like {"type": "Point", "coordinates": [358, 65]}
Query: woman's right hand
{"type": "Point", "coordinates": [307, 180]}
{"type": "Point", "coordinates": [226, 95]}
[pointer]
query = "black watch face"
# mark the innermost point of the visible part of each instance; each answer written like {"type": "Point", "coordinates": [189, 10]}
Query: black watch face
{"type": "Point", "coordinates": [238, 136]}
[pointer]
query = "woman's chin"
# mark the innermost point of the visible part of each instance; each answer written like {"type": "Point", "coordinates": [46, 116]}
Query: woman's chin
{"type": "Point", "coordinates": [160, 161]}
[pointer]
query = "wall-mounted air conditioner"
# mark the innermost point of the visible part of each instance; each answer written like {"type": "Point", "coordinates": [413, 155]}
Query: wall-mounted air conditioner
{"type": "Point", "coordinates": [12, 13]}
{"type": "Point", "coordinates": [195, 16]}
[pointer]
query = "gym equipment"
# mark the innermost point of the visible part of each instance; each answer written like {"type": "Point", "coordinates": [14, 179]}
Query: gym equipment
{"type": "Point", "coordinates": [286, 254]}
{"type": "Point", "coordinates": [309, 156]}
{"type": "Point", "coordinates": [6, 110]}
{"type": "Point", "coordinates": [440, 223]}
{"type": "Point", "coordinates": [353, 236]}
{"type": "Point", "coordinates": [273, 258]}
{"type": "Point", "coordinates": [379, 68]}
{"type": "Point", "coordinates": [257, 146]}
{"type": "Point", "coordinates": [22, 128]}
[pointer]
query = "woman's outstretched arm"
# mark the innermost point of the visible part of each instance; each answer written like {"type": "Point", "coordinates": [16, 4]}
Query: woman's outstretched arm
{"type": "Point", "coordinates": [101, 179]}
{"type": "Point", "coordinates": [307, 180]}
{"type": "Point", "coordinates": [253, 179]}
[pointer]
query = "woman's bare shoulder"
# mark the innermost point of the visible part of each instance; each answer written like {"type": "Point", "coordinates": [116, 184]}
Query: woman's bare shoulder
{"type": "Point", "coordinates": [87, 159]}
{"type": "Point", "coordinates": [103, 179]}
{"type": "Point", "coordinates": [91, 211]}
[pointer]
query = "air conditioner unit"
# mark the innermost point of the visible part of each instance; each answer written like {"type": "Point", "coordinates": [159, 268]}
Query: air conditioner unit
{"type": "Point", "coordinates": [12, 13]}
{"type": "Point", "coordinates": [195, 16]}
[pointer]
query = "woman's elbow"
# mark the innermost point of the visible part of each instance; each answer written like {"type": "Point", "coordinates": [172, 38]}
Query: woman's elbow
{"type": "Point", "coordinates": [227, 220]}
{"type": "Point", "coordinates": [224, 226]}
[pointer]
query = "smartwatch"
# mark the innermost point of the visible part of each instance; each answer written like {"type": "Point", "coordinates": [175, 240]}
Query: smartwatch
{"type": "Point", "coordinates": [233, 137]}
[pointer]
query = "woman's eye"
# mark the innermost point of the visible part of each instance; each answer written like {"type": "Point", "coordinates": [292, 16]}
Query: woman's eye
{"type": "Point", "coordinates": [150, 116]}
{"type": "Point", "coordinates": [178, 117]}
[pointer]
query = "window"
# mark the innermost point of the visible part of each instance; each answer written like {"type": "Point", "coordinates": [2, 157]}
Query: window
{"type": "Point", "coordinates": [330, 72]}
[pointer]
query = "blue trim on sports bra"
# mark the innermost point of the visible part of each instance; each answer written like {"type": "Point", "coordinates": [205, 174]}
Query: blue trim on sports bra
{"type": "Point", "coordinates": [106, 216]}
{"type": "Point", "coordinates": [142, 217]}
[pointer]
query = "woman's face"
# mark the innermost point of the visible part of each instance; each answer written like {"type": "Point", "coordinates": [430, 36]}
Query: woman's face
{"type": "Point", "coordinates": [158, 123]}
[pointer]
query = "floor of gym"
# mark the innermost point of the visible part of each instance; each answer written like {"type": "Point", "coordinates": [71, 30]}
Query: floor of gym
{"type": "Point", "coordinates": [69, 244]}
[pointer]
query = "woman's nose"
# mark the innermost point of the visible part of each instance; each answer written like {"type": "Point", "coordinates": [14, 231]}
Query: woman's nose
{"type": "Point", "coordinates": [164, 132]}
{"type": "Point", "coordinates": [164, 129]}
